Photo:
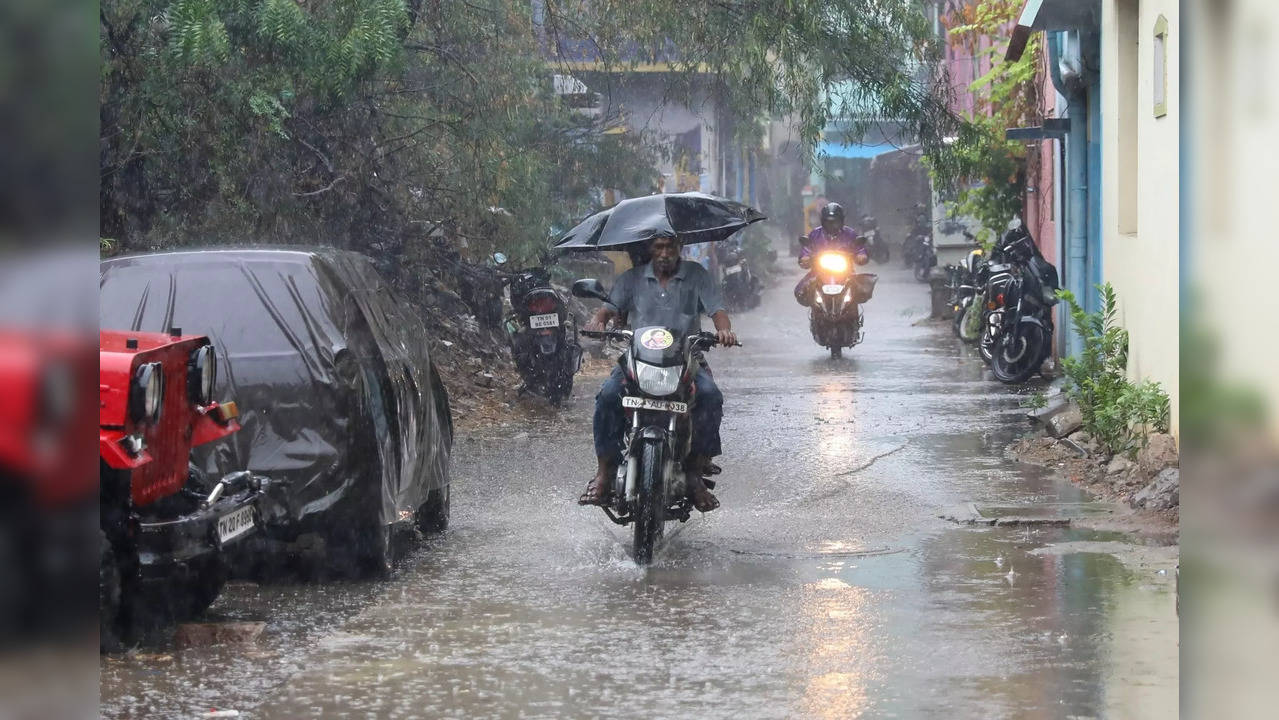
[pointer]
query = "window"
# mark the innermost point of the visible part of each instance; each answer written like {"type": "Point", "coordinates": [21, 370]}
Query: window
{"type": "Point", "coordinates": [1161, 67]}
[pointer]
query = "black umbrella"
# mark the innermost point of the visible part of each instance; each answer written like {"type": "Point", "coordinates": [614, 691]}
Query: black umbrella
{"type": "Point", "coordinates": [694, 217]}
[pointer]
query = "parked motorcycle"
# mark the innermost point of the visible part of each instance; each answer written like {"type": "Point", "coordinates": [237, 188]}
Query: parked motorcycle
{"type": "Point", "coordinates": [741, 285]}
{"type": "Point", "coordinates": [1021, 294]}
{"type": "Point", "coordinates": [925, 257]}
{"type": "Point", "coordinates": [965, 289]}
{"type": "Point", "coordinates": [541, 332]}
{"type": "Point", "coordinates": [876, 243]}
{"type": "Point", "coordinates": [837, 291]}
{"type": "Point", "coordinates": [650, 487]}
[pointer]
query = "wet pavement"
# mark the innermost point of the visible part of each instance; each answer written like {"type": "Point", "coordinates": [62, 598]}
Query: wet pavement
{"type": "Point", "coordinates": [827, 585]}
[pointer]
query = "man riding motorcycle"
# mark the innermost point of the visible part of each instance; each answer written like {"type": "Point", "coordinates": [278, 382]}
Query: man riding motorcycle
{"type": "Point", "coordinates": [672, 293]}
{"type": "Point", "coordinates": [832, 235]}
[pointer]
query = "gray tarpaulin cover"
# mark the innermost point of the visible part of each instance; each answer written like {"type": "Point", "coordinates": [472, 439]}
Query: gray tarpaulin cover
{"type": "Point", "coordinates": [339, 403]}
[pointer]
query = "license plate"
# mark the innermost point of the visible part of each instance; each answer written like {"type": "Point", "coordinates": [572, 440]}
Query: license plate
{"type": "Point", "coordinates": [832, 289]}
{"type": "Point", "coordinates": [732, 269]}
{"type": "Point", "coordinates": [640, 403]}
{"type": "Point", "coordinates": [548, 320]}
{"type": "Point", "coordinates": [234, 524]}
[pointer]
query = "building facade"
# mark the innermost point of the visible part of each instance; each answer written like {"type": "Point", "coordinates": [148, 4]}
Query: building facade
{"type": "Point", "coordinates": [1141, 118]}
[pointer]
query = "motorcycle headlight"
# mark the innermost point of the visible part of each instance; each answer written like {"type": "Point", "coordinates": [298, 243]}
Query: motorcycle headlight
{"type": "Point", "coordinates": [656, 380]}
{"type": "Point", "coordinates": [147, 392]}
{"type": "Point", "coordinates": [202, 373]}
{"type": "Point", "coordinates": [833, 262]}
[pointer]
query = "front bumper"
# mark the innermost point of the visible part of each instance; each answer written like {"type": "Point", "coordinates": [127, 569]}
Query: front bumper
{"type": "Point", "coordinates": [162, 543]}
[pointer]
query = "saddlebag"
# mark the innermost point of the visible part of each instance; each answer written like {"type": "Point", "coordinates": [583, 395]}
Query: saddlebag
{"type": "Point", "coordinates": [864, 286]}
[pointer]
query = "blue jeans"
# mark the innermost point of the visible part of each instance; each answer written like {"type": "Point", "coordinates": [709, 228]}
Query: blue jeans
{"type": "Point", "coordinates": [610, 420]}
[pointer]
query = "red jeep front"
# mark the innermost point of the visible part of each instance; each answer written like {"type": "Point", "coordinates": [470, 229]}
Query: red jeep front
{"type": "Point", "coordinates": [161, 518]}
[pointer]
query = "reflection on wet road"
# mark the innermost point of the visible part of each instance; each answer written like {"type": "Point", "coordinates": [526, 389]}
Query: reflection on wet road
{"type": "Point", "coordinates": [825, 587]}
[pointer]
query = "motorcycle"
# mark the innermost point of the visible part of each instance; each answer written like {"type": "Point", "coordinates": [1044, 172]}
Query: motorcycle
{"type": "Point", "coordinates": [876, 244]}
{"type": "Point", "coordinates": [965, 287]}
{"type": "Point", "coordinates": [835, 315]}
{"type": "Point", "coordinates": [541, 332]}
{"type": "Point", "coordinates": [1020, 326]}
{"type": "Point", "coordinates": [650, 488]}
{"type": "Point", "coordinates": [741, 284]}
{"type": "Point", "coordinates": [925, 257]}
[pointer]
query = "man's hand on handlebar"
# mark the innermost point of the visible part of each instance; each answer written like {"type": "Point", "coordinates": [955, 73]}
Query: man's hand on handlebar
{"type": "Point", "coordinates": [727, 338]}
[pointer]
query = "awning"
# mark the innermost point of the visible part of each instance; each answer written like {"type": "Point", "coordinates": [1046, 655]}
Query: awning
{"type": "Point", "coordinates": [1051, 15]}
{"type": "Point", "coordinates": [839, 150]}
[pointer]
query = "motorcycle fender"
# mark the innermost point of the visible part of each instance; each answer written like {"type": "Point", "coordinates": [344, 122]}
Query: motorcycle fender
{"type": "Point", "coordinates": [646, 435]}
{"type": "Point", "coordinates": [1031, 320]}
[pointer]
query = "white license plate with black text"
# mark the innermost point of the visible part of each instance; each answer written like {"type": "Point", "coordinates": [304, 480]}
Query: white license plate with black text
{"type": "Point", "coordinates": [234, 524]}
{"type": "Point", "coordinates": [549, 320]}
{"type": "Point", "coordinates": [832, 289]}
{"type": "Point", "coordinates": [732, 269]}
{"type": "Point", "coordinates": [640, 403]}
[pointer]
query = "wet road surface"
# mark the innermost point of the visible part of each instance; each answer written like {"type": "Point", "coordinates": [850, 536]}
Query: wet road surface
{"type": "Point", "coordinates": [825, 587]}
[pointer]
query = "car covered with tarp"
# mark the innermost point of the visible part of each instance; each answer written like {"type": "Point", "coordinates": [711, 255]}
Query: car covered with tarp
{"type": "Point", "coordinates": [340, 404]}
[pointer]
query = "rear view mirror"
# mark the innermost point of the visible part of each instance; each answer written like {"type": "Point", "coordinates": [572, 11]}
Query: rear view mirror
{"type": "Point", "coordinates": [590, 288]}
{"type": "Point", "coordinates": [499, 258]}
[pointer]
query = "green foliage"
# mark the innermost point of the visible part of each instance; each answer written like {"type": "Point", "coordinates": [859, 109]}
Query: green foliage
{"type": "Point", "coordinates": [379, 124]}
{"type": "Point", "coordinates": [983, 170]}
{"type": "Point", "coordinates": [813, 61]}
{"type": "Point", "coordinates": [1035, 401]}
{"type": "Point", "coordinates": [1116, 412]}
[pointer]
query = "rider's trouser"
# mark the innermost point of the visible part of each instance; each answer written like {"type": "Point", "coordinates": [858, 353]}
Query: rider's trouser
{"type": "Point", "coordinates": [611, 426]}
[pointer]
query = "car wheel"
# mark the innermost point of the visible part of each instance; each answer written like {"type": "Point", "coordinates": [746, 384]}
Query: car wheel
{"type": "Point", "coordinates": [433, 516]}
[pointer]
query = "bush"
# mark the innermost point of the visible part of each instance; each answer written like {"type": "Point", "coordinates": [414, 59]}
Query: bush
{"type": "Point", "coordinates": [1119, 414]}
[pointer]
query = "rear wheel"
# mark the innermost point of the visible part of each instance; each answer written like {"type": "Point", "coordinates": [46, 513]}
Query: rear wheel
{"type": "Point", "coordinates": [922, 271]}
{"type": "Point", "coordinates": [836, 352]}
{"type": "Point", "coordinates": [880, 253]}
{"type": "Point", "coordinates": [433, 516]}
{"type": "Point", "coordinates": [650, 510]}
{"type": "Point", "coordinates": [1020, 356]}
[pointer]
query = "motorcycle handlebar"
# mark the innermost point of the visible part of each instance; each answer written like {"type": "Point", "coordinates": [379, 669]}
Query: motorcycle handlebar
{"type": "Point", "coordinates": [707, 339]}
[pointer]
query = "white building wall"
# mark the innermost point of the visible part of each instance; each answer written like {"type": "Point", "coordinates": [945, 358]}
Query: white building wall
{"type": "Point", "coordinates": [1140, 185]}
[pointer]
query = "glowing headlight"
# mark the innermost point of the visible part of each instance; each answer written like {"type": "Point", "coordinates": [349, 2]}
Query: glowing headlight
{"type": "Point", "coordinates": [832, 262]}
{"type": "Point", "coordinates": [202, 373]}
{"type": "Point", "coordinates": [656, 380]}
{"type": "Point", "coordinates": [147, 392]}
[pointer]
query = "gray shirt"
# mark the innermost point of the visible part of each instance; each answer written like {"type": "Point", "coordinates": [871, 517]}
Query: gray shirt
{"type": "Point", "coordinates": [679, 306]}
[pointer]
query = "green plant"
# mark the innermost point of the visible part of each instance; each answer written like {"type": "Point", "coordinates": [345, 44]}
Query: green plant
{"type": "Point", "coordinates": [1119, 414]}
{"type": "Point", "coordinates": [1035, 401]}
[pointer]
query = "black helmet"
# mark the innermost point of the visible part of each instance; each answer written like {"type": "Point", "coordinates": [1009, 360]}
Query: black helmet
{"type": "Point", "coordinates": [833, 211]}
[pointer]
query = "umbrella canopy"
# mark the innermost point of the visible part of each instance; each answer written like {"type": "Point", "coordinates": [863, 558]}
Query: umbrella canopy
{"type": "Point", "coordinates": [692, 216]}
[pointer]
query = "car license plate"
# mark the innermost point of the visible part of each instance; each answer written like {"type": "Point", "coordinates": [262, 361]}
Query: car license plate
{"type": "Point", "coordinates": [832, 289]}
{"type": "Point", "coordinates": [733, 269]}
{"type": "Point", "coordinates": [549, 320]}
{"type": "Point", "coordinates": [234, 524]}
{"type": "Point", "coordinates": [640, 403]}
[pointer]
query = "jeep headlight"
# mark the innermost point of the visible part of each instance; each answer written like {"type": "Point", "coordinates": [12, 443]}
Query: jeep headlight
{"type": "Point", "coordinates": [147, 392]}
{"type": "Point", "coordinates": [202, 373]}
{"type": "Point", "coordinates": [656, 380]}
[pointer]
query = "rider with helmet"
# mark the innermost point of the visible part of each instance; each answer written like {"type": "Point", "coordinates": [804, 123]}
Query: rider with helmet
{"type": "Point", "coordinates": [833, 234]}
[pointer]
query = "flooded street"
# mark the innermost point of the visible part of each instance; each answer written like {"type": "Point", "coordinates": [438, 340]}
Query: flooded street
{"type": "Point", "coordinates": [826, 586]}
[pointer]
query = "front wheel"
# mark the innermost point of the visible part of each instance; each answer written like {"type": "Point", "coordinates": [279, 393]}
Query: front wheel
{"type": "Point", "coordinates": [922, 271]}
{"type": "Point", "coordinates": [650, 504]}
{"type": "Point", "coordinates": [880, 254]}
{"type": "Point", "coordinates": [1019, 356]}
{"type": "Point", "coordinates": [836, 352]}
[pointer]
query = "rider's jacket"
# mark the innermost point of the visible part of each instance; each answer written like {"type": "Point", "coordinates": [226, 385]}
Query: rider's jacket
{"type": "Point", "coordinates": [846, 240]}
